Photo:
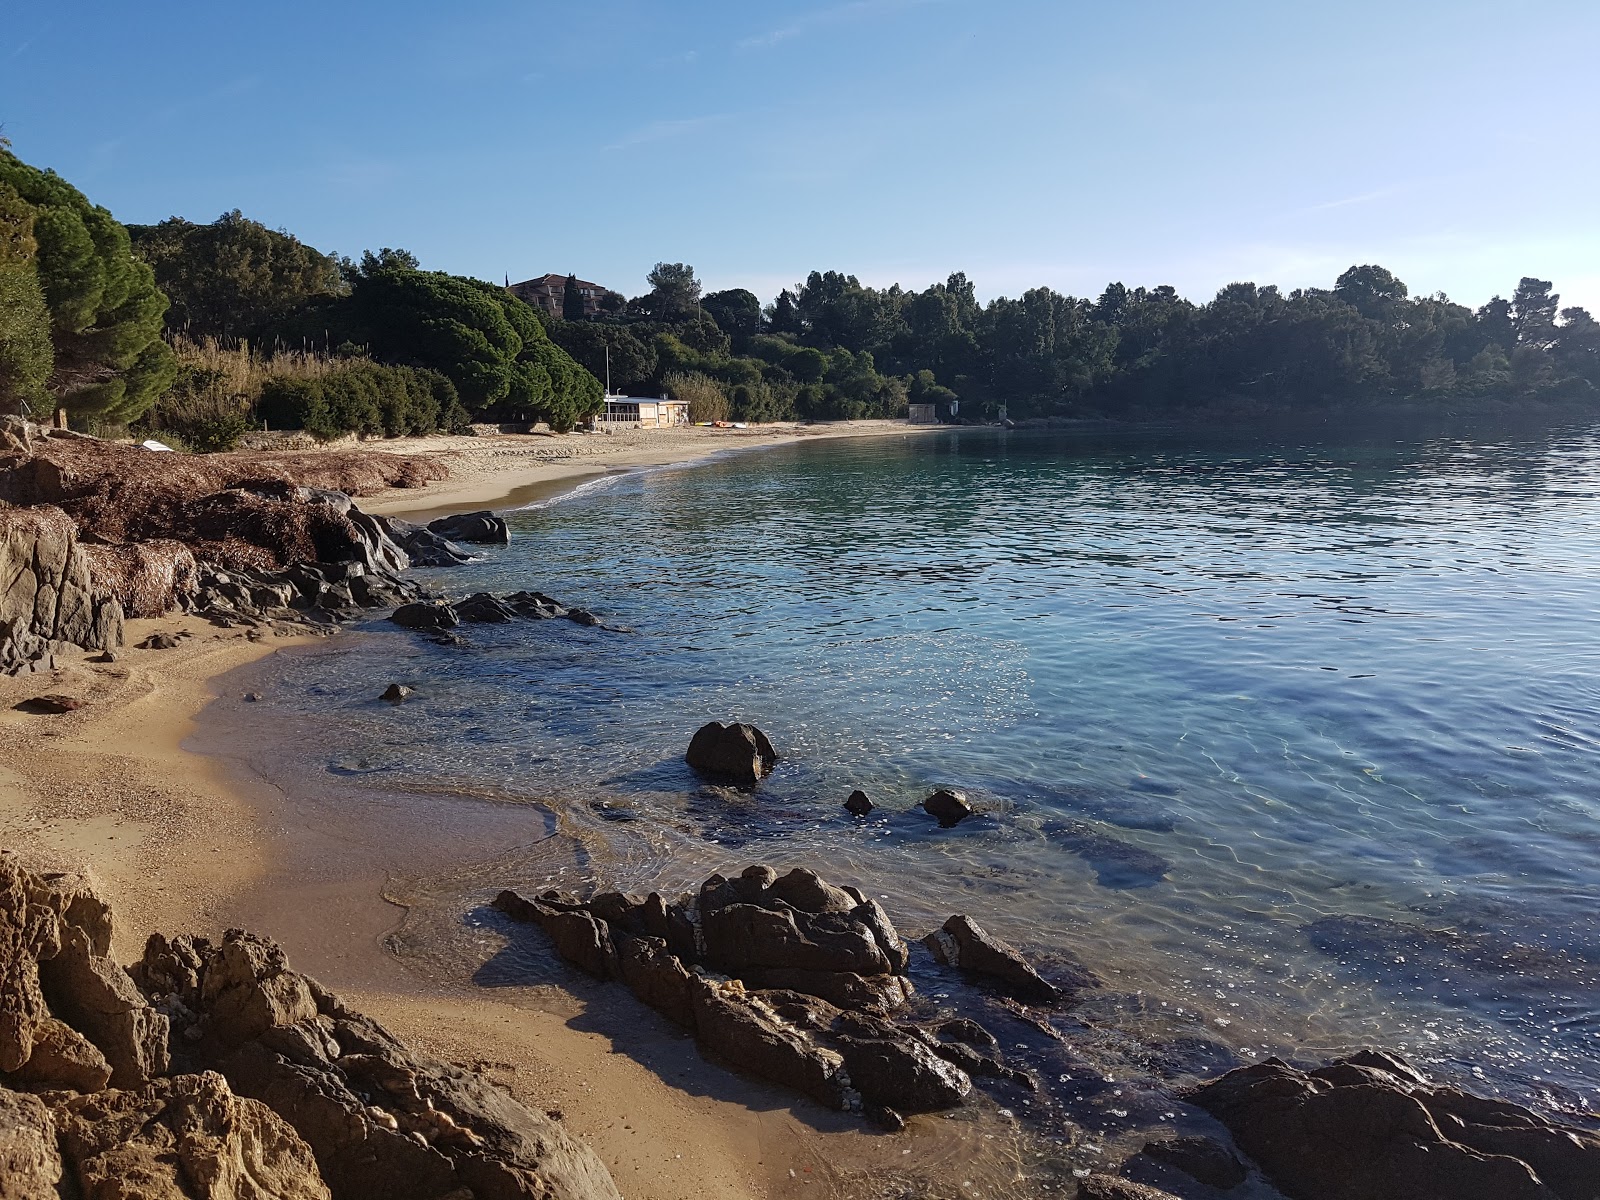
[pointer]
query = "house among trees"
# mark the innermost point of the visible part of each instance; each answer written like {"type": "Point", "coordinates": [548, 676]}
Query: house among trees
{"type": "Point", "coordinates": [549, 293]}
{"type": "Point", "coordinates": [924, 414]}
{"type": "Point", "coordinates": [643, 413]}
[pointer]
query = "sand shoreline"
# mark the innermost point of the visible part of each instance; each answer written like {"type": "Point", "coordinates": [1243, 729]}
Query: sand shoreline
{"type": "Point", "coordinates": [183, 841]}
{"type": "Point", "coordinates": [512, 470]}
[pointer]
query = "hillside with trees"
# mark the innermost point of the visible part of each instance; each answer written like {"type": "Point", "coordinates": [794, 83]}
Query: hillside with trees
{"type": "Point", "coordinates": [202, 331]}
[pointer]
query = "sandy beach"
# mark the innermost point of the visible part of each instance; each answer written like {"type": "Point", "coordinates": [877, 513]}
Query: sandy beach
{"type": "Point", "coordinates": [507, 470]}
{"type": "Point", "coordinates": [181, 841]}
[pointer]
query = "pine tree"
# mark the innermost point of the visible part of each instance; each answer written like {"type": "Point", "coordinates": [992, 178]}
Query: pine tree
{"type": "Point", "coordinates": [572, 300]}
{"type": "Point", "coordinates": [105, 309]}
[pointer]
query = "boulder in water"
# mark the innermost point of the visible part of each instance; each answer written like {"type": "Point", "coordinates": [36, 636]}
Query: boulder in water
{"type": "Point", "coordinates": [858, 805]}
{"type": "Point", "coordinates": [947, 807]}
{"type": "Point", "coordinates": [736, 753]}
{"type": "Point", "coordinates": [482, 528]}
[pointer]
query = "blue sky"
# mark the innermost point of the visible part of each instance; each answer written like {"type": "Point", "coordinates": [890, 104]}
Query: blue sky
{"type": "Point", "coordinates": [1022, 141]}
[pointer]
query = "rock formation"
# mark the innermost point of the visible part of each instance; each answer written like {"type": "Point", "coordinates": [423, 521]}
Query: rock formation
{"type": "Point", "coordinates": [215, 1072]}
{"type": "Point", "coordinates": [733, 753]}
{"type": "Point", "coordinates": [947, 807]}
{"type": "Point", "coordinates": [1372, 1127]}
{"type": "Point", "coordinates": [482, 528]}
{"type": "Point", "coordinates": [964, 944]}
{"type": "Point", "coordinates": [788, 977]}
{"type": "Point", "coordinates": [48, 596]}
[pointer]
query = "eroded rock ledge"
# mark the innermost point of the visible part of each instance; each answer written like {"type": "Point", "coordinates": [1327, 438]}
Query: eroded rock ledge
{"type": "Point", "coordinates": [215, 1072]}
{"type": "Point", "coordinates": [803, 983]}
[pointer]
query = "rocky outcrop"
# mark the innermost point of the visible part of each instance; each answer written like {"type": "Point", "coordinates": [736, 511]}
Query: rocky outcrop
{"type": "Point", "coordinates": [48, 596]}
{"type": "Point", "coordinates": [964, 944]}
{"type": "Point", "coordinates": [275, 1091]}
{"type": "Point", "coordinates": [425, 547]}
{"type": "Point", "coordinates": [788, 977]}
{"type": "Point", "coordinates": [184, 1138]}
{"type": "Point", "coordinates": [380, 1120]}
{"type": "Point", "coordinates": [1371, 1127]}
{"type": "Point", "coordinates": [476, 528]}
{"type": "Point", "coordinates": [30, 1162]}
{"type": "Point", "coordinates": [734, 753]}
{"type": "Point", "coordinates": [481, 608]}
{"type": "Point", "coordinates": [1201, 1158]}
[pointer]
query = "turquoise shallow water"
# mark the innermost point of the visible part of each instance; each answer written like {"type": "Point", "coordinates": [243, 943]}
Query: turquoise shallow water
{"type": "Point", "coordinates": [1296, 741]}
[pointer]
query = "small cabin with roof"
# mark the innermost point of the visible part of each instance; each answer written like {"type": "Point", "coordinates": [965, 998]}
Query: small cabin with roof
{"type": "Point", "coordinates": [642, 413]}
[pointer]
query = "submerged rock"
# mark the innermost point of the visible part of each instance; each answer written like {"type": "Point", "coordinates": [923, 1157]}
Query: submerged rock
{"type": "Point", "coordinates": [1201, 1158]}
{"type": "Point", "coordinates": [395, 693]}
{"type": "Point", "coordinates": [947, 807]}
{"type": "Point", "coordinates": [737, 753]}
{"type": "Point", "coordinates": [858, 805]}
{"type": "Point", "coordinates": [1117, 864]}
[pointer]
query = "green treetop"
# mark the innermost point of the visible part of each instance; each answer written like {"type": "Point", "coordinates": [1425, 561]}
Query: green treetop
{"type": "Point", "coordinates": [105, 309]}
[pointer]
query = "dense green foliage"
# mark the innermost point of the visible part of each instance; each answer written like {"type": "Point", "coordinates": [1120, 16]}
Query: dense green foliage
{"type": "Point", "coordinates": [81, 318]}
{"type": "Point", "coordinates": [831, 347]}
{"type": "Point", "coordinates": [110, 362]}
{"type": "Point", "coordinates": [233, 278]}
{"type": "Point", "coordinates": [363, 398]}
{"type": "Point", "coordinates": [26, 357]}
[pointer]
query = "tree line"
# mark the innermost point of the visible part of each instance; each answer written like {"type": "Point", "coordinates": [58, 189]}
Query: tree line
{"type": "Point", "coordinates": [204, 329]}
{"type": "Point", "coordinates": [831, 347]}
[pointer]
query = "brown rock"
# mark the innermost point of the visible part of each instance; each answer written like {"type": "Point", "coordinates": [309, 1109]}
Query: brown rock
{"type": "Point", "coordinates": [963, 943]}
{"type": "Point", "coordinates": [1369, 1127]}
{"type": "Point", "coordinates": [159, 641]}
{"type": "Point", "coordinates": [97, 998]}
{"type": "Point", "coordinates": [947, 807]}
{"type": "Point", "coordinates": [72, 896]}
{"type": "Point", "coordinates": [842, 989]}
{"type": "Point", "coordinates": [1201, 1158]}
{"type": "Point", "coordinates": [46, 593]}
{"type": "Point", "coordinates": [858, 805]}
{"type": "Point", "coordinates": [741, 937]}
{"type": "Point", "coordinates": [809, 892]}
{"type": "Point", "coordinates": [184, 1138]}
{"type": "Point", "coordinates": [30, 1163]}
{"type": "Point", "coordinates": [737, 1027]}
{"type": "Point", "coordinates": [395, 693]}
{"type": "Point", "coordinates": [52, 704]}
{"type": "Point", "coordinates": [63, 1058]}
{"type": "Point", "coordinates": [28, 931]}
{"type": "Point", "coordinates": [737, 753]}
{"type": "Point", "coordinates": [655, 975]}
{"type": "Point", "coordinates": [381, 1121]}
{"type": "Point", "coordinates": [247, 988]}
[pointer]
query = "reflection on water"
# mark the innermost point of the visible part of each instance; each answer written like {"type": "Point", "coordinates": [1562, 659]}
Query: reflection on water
{"type": "Point", "coordinates": [1297, 741]}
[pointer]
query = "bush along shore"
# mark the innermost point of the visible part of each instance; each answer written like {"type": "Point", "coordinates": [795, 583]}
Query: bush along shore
{"type": "Point", "coordinates": [213, 1069]}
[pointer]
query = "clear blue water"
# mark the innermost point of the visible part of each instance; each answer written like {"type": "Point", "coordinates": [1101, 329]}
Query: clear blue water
{"type": "Point", "coordinates": [1321, 680]}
